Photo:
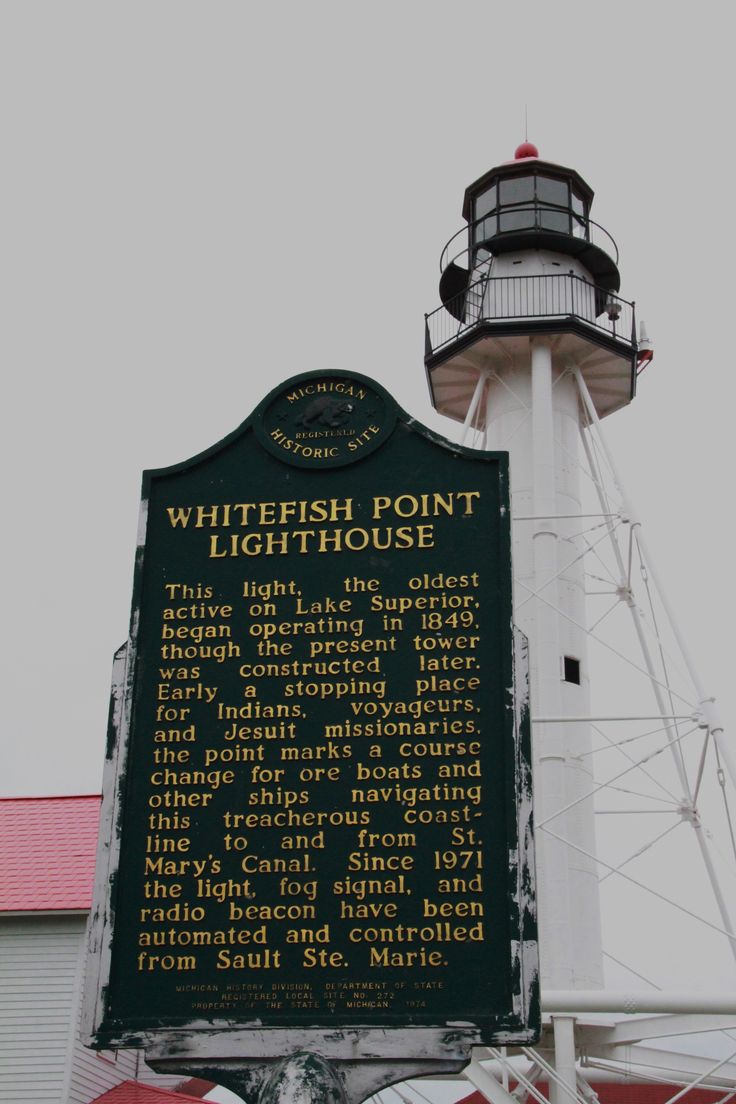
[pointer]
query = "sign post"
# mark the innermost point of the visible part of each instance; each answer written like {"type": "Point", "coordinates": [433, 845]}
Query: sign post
{"type": "Point", "coordinates": [316, 858]}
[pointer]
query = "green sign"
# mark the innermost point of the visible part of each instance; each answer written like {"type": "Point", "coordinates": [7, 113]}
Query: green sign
{"type": "Point", "coordinates": [321, 809]}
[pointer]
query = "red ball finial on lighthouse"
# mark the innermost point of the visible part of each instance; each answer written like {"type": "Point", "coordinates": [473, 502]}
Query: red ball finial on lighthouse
{"type": "Point", "coordinates": [526, 149]}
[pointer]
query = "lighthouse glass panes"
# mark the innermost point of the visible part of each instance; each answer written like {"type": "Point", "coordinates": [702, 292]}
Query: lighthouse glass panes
{"type": "Point", "coordinates": [515, 203]}
{"type": "Point", "coordinates": [533, 201]}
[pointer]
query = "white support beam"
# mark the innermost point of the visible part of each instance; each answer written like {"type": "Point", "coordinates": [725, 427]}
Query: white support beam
{"type": "Point", "coordinates": [634, 1001]}
{"type": "Point", "coordinates": [487, 1084]}
{"type": "Point", "coordinates": [707, 703]}
{"type": "Point", "coordinates": [563, 1028]}
{"type": "Point", "coordinates": [612, 1073]}
{"type": "Point", "coordinates": [656, 1027]}
{"type": "Point", "coordinates": [693, 717]}
{"type": "Point", "coordinates": [667, 1062]}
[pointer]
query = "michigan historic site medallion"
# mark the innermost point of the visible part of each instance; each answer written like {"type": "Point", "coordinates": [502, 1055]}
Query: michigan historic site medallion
{"type": "Point", "coordinates": [324, 420]}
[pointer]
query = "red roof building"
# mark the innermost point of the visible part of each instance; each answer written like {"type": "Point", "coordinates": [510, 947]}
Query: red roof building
{"type": "Point", "coordinates": [47, 863]}
{"type": "Point", "coordinates": [133, 1092]}
{"type": "Point", "coordinates": [47, 853]}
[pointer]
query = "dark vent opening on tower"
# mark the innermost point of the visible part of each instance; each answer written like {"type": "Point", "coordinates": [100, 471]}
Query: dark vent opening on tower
{"type": "Point", "coordinates": [571, 670]}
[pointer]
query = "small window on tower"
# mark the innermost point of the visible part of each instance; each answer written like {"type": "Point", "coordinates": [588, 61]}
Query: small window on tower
{"type": "Point", "coordinates": [571, 672]}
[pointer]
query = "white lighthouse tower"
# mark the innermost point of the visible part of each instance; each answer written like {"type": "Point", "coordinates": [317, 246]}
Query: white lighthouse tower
{"type": "Point", "coordinates": [532, 347]}
{"type": "Point", "coordinates": [536, 305]}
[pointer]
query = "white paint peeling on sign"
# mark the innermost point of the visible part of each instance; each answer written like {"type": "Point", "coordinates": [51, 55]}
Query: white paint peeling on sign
{"type": "Point", "coordinates": [100, 923]}
{"type": "Point", "coordinates": [524, 951]}
{"type": "Point", "coordinates": [142, 524]}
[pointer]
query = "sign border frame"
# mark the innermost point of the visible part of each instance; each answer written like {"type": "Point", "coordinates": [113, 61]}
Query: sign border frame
{"type": "Point", "coordinates": [203, 1040]}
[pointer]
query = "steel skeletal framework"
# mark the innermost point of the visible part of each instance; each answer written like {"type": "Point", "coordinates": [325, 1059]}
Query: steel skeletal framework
{"type": "Point", "coordinates": [634, 779]}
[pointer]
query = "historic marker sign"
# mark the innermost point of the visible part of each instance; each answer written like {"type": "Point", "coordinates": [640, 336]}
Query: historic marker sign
{"type": "Point", "coordinates": [321, 806]}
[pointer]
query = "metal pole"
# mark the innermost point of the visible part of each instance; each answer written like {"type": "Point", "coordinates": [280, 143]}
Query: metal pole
{"type": "Point", "coordinates": [639, 1000]}
{"type": "Point", "coordinates": [649, 663]}
{"type": "Point", "coordinates": [487, 1084]}
{"type": "Point", "coordinates": [550, 792]}
{"type": "Point", "coordinates": [707, 703]}
{"type": "Point", "coordinates": [602, 720]}
{"type": "Point", "coordinates": [565, 1089]}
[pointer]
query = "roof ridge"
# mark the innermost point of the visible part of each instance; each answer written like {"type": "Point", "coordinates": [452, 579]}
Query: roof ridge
{"type": "Point", "coordinates": [149, 1090]}
{"type": "Point", "coordinates": [49, 797]}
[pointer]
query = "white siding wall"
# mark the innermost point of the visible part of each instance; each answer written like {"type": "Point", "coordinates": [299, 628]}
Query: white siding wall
{"type": "Point", "coordinates": [41, 1058]}
{"type": "Point", "coordinates": [94, 1072]}
{"type": "Point", "coordinates": [38, 973]}
{"type": "Point", "coordinates": [90, 1072]}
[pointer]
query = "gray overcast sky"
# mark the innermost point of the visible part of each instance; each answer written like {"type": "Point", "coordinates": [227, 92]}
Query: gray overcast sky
{"type": "Point", "coordinates": [200, 200]}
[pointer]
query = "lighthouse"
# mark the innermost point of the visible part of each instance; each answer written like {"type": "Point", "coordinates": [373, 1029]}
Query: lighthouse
{"type": "Point", "coordinates": [533, 347]}
{"type": "Point", "coordinates": [532, 328]}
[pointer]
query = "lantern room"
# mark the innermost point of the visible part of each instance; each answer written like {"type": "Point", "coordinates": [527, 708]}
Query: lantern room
{"type": "Point", "coordinates": [530, 261]}
{"type": "Point", "coordinates": [533, 204]}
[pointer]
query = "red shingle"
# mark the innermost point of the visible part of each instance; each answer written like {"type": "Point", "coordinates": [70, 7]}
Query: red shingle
{"type": "Point", "coordinates": [47, 852]}
{"type": "Point", "coordinates": [132, 1092]}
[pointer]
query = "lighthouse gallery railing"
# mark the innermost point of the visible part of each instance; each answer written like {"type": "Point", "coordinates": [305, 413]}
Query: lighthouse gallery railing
{"type": "Point", "coordinates": [513, 298]}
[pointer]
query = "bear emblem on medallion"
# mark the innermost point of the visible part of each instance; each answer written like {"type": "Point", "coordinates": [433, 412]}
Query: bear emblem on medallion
{"type": "Point", "coordinates": [325, 411]}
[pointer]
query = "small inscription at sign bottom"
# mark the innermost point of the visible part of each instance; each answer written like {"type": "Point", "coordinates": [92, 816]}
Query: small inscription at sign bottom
{"type": "Point", "coordinates": [318, 818]}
